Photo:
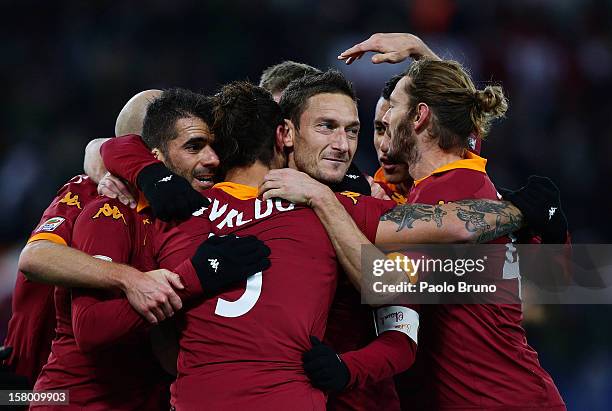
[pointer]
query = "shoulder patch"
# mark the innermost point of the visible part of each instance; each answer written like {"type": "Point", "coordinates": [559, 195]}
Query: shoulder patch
{"type": "Point", "coordinates": [51, 224]}
{"type": "Point", "coordinates": [71, 200]}
{"type": "Point", "coordinates": [113, 212]}
{"type": "Point", "coordinates": [352, 195]}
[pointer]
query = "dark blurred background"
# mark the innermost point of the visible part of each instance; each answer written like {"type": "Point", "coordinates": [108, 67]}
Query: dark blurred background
{"type": "Point", "coordinates": [70, 66]}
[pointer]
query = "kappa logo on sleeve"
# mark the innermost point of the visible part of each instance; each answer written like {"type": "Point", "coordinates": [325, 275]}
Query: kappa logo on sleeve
{"type": "Point", "coordinates": [51, 224]}
{"type": "Point", "coordinates": [353, 196]}
{"type": "Point", "coordinates": [112, 212]}
{"type": "Point", "coordinates": [71, 201]}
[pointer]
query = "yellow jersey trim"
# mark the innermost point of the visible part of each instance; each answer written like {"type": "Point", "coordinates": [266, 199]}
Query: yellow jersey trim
{"type": "Point", "coordinates": [470, 162]}
{"type": "Point", "coordinates": [239, 191]}
{"type": "Point", "coordinates": [54, 238]}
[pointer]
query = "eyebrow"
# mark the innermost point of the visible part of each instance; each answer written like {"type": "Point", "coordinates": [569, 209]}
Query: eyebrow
{"type": "Point", "coordinates": [193, 140]}
{"type": "Point", "coordinates": [335, 121]}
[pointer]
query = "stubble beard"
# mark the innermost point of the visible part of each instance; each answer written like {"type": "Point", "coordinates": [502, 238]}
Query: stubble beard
{"type": "Point", "coordinates": [403, 145]}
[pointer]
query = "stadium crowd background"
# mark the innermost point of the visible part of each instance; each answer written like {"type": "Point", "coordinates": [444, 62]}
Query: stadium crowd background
{"type": "Point", "coordinates": [69, 67]}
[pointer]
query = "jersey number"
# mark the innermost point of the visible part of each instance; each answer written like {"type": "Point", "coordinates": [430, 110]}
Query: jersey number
{"type": "Point", "coordinates": [245, 303]}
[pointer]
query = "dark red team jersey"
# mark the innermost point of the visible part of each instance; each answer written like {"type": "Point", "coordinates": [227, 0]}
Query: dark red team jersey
{"type": "Point", "coordinates": [473, 356]}
{"type": "Point", "coordinates": [31, 327]}
{"type": "Point", "coordinates": [243, 349]}
{"type": "Point", "coordinates": [371, 360]}
{"type": "Point", "coordinates": [102, 367]}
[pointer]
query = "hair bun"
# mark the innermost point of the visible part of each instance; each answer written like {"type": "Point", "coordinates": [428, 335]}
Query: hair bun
{"type": "Point", "coordinates": [491, 101]}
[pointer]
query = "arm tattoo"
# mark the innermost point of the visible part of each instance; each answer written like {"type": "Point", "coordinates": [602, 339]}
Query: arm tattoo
{"type": "Point", "coordinates": [474, 213]}
{"type": "Point", "coordinates": [406, 214]}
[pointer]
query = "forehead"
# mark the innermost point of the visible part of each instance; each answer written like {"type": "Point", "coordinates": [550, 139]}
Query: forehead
{"type": "Point", "coordinates": [399, 92]}
{"type": "Point", "coordinates": [381, 108]}
{"type": "Point", "coordinates": [191, 127]}
{"type": "Point", "coordinates": [332, 106]}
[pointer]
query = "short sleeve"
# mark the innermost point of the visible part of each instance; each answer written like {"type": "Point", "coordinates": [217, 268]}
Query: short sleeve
{"type": "Point", "coordinates": [365, 211]}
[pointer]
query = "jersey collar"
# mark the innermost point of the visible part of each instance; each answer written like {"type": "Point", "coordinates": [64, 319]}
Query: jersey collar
{"type": "Point", "coordinates": [239, 191]}
{"type": "Point", "coordinates": [142, 202]}
{"type": "Point", "coordinates": [470, 162]}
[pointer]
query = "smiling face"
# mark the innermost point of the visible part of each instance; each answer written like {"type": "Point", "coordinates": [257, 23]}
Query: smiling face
{"type": "Point", "coordinates": [190, 155]}
{"type": "Point", "coordinates": [325, 140]}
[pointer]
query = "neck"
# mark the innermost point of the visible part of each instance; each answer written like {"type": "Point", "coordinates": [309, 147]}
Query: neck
{"type": "Point", "coordinates": [252, 175]}
{"type": "Point", "coordinates": [431, 159]}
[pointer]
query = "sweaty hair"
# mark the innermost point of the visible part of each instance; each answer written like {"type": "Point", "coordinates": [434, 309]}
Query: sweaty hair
{"type": "Point", "coordinates": [276, 78]}
{"type": "Point", "coordinates": [294, 100]}
{"type": "Point", "coordinates": [245, 122]}
{"type": "Point", "coordinates": [390, 86]}
{"type": "Point", "coordinates": [159, 125]}
{"type": "Point", "coordinates": [458, 108]}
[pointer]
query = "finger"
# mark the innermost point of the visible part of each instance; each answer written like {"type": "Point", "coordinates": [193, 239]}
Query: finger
{"type": "Point", "coordinates": [255, 257]}
{"type": "Point", "coordinates": [123, 189]}
{"type": "Point", "coordinates": [175, 301]}
{"type": "Point", "coordinates": [167, 309]}
{"type": "Point", "coordinates": [104, 190]}
{"type": "Point", "coordinates": [111, 185]}
{"type": "Point", "coordinates": [158, 313]}
{"type": "Point", "coordinates": [258, 267]}
{"type": "Point", "coordinates": [120, 190]}
{"type": "Point", "coordinates": [273, 193]}
{"type": "Point", "coordinates": [149, 317]}
{"type": "Point", "coordinates": [175, 280]}
{"type": "Point", "coordinates": [392, 57]}
{"type": "Point", "coordinates": [356, 49]}
{"type": "Point", "coordinates": [268, 185]}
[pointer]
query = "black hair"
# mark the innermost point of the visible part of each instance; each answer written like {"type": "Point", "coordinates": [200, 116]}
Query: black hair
{"type": "Point", "coordinates": [294, 100]}
{"type": "Point", "coordinates": [159, 126]}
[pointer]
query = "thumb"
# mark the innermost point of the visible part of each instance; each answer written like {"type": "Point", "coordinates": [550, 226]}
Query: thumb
{"type": "Point", "coordinates": [174, 280]}
{"type": "Point", "coordinates": [315, 341]}
{"type": "Point", "coordinates": [392, 57]}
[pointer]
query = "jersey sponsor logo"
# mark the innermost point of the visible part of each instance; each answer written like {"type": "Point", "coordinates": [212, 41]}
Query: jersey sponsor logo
{"type": "Point", "coordinates": [71, 200]}
{"type": "Point", "coordinates": [353, 196]}
{"type": "Point", "coordinates": [146, 221]}
{"type": "Point", "coordinates": [165, 179]}
{"type": "Point", "coordinates": [397, 318]}
{"type": "Point", "coordinates": [51, 224]}
{"type": "Point", "coordinates": [112, 212]}
{"type": "Point", "coordinates": [551, 212]}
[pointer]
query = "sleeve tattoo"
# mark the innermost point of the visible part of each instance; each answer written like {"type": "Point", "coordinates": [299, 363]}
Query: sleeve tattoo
{"type": "Point", "coordinates": [474, 213]}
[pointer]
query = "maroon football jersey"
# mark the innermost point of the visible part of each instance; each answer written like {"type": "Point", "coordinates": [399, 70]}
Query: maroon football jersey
{"type": "Point", "coordinates": [32, 324]}
{"type": "Point", "coordinates": [121, 373]}
{"type": "Point", "coordinates": [243, 349]}
{"type": "Point", "coordinates": [473, 356]}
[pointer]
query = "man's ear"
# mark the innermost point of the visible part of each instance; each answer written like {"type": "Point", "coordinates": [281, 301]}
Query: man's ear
{"type": "Point", "coordinates": [158, 154]}
{"type": "Point", "coordinates": [281, 136]}
{"type": "Point", "coordinates": [289, 134]}
{"type": "Point", "coordinates": [422, 118]}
